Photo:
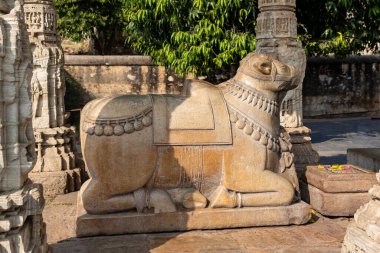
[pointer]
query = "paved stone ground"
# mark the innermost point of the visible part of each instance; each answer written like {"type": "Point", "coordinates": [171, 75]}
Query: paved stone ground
{"type": "Point", "coordinates": [325, 236]}
{"type": "Point", "coordinates": [332, 137]}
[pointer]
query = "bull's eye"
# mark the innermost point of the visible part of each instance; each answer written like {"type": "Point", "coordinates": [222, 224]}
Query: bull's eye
{"type": "Point", "coordinates": [265, 68]}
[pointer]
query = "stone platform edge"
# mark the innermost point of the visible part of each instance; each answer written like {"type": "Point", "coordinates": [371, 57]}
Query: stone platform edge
{"type": "Point", "coordinates": [133, 223]}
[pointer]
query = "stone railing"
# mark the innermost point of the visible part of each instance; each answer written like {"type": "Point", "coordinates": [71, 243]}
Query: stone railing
{"type": "Point", "coordinates": [331, 87]}
{"type": "Point", "coordinates": [107, 60]}
{"type": "Point", "coordinates": [100, 76]}
{"type": "Point", "coordinates": [348, 86]}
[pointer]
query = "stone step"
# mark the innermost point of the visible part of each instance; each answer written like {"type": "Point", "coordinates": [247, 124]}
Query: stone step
{"type": "Point", "coordinates": [368, 158]}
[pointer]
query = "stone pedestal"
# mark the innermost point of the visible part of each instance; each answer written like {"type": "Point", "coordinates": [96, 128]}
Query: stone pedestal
{"type": "Point", "coordinates": [337, 192]}
{"type": "Point", "coordinates": [58, 183]}
{"type": "Point", "coordinates": [365, 157]}
{"type": "Point", "coordinates": [132, 222]}
{"type": "Point", "coordinates": [57, 166]}
{"type": "Point", "coordinates": [304, 154]}
{"type": "Point", "coordinates": [55, 142]}
{"type": "Point", "coordinates": [363, 235]}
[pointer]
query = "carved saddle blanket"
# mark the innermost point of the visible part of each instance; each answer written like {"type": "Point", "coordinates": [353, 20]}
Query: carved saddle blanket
{"type": "Point", "coordinates": [198, 117]}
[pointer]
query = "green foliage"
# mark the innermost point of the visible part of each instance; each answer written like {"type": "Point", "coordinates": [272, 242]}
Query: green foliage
{"type": "Point", "coordinates": [339, 27]}
{"type": "Point", "coordinates": [96, 19]}
{"type": "Point", "coordinates": [204, 36]}
{"type": "Point", "coordinates": [191, 36]}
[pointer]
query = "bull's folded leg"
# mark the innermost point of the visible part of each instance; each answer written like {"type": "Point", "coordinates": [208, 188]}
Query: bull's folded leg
{"type": "Point", "coordinates": [222, 198]}
{"type": "Point", "coordinates": [279, 193]}
{"type": "Point", "coordinates": [270, 190]}
{"type": "Point", "coordinates": [97, 200]}
{"type": "Point", "coordinates": [189, 198]}
{"type": "Point", "coordinates": [161, 201]}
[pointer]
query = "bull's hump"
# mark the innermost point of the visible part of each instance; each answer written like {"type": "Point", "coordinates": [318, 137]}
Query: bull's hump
{"type": "Point", "coordinates": [118, 107]}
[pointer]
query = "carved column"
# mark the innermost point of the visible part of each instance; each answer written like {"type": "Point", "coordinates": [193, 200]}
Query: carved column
{"type": "Point", "coordinates": [21, 202]}
{"type": "Point", "coordinates": [56, 166]}
{"type": "Point", "coordinates": [276, 35]}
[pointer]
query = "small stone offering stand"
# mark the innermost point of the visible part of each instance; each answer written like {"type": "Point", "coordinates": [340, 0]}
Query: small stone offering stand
{"type": "Point", "coordinates": [337, 190]}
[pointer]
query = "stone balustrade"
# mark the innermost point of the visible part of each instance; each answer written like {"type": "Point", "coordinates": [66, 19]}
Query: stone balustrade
{"type": "Point", "coordinates": [332, 86]}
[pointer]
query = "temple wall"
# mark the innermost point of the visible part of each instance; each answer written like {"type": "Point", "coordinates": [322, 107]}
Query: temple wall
{"type": "Point", "coordinates": [92, 77]}
{"type": "Point", "coordinates": [331, 86]}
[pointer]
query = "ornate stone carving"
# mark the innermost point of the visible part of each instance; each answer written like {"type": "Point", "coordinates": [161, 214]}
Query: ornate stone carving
{"type": "Point", "coordinates": [55, 142]}
{"type": "Point", "coordinates": [120, 126]}
{"type": "Point", "coordinates": [215, 149]}
{"type": "Point", "coordinates": [363, 235]}
{"type": "Point", "coordinates": [21, 211]}
{"type": "Point", "coordinates": [48, 87]}
{"type": "Point", "coordinates": [16, 139]}
{"type": "Point", "coordinates": [21, 226]}
{"type": "Point", "coordinates": [253, 97]}
{"type": "Point", "coordinates": [276, 34]}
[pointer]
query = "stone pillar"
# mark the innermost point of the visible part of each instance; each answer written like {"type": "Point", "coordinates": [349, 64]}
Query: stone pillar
{"type": "Point", "coordinates": [276, 35]}
{"type": "Point", "coordinates": [21, 202]}
{"type": "Point", "coordinates": [363, 234]}
{"type": "Point", "coordinates": [56, 166]}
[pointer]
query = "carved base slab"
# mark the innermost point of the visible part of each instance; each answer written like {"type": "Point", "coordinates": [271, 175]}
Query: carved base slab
{"type": "Point", "coordinates": [58, 183]}
{"type": "Point", "coordinates": [333, 204]}
{"type": "Point", "coordinates": [131, 222]}
{"type": "Point", "coordinates": [357, 241]}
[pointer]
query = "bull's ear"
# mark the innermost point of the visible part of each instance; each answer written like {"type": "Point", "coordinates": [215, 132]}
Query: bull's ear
{"type": "Point", "coordinates": [247, 58]}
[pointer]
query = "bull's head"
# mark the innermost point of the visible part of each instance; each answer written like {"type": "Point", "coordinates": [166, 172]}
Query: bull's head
{"type": "Point", "coordinates": [265, 74]}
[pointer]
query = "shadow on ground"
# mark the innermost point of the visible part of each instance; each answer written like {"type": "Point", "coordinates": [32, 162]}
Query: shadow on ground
{"type": "Point", "coordinates": [332, 137]}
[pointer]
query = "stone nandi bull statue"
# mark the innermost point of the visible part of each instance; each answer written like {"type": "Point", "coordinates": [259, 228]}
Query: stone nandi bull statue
{"type": "Point", "coordinates": [213, 146]}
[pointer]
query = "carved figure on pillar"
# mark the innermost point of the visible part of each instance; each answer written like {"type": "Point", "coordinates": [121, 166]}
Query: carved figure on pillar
{"type": "Point", "coordinates": [21, 202]}
{"type": "Point", "coordinates": [56, 162]}
{"type": "Point", "coordinates": [276, 35]}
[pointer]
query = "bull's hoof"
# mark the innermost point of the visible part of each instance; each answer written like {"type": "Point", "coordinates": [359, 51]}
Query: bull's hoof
{"type": "Point", "coordinates": [194, 200]}
{"type": "Point", "coordinates": [162, 202]}
{"type": "Point", "coordinates": [222, 198]}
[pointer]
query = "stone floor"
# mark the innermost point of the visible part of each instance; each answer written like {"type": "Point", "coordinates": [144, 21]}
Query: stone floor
{"type": "Point", "coordinates": [324, 235]}
{"type": "Point", "coordinates": [332, 137]}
